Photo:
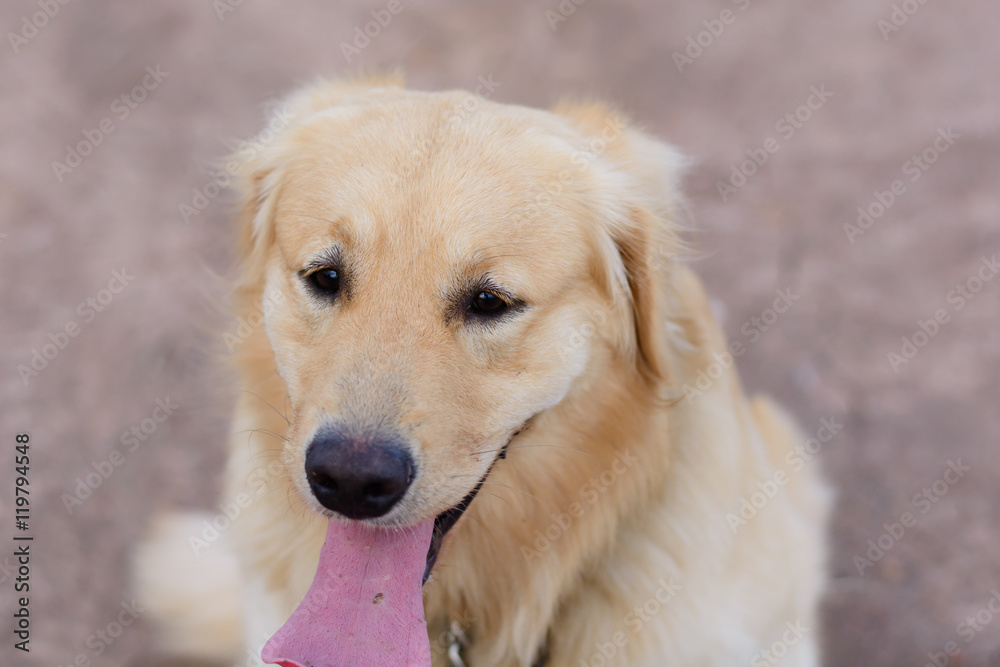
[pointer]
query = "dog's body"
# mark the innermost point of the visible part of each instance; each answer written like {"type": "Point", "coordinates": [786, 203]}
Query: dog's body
{"type": "Point", "coordinates": [611, 532]}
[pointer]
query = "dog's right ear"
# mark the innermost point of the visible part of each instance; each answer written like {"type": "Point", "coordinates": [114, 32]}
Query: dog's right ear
{"type": "Point", "coordinates": [255, 219]}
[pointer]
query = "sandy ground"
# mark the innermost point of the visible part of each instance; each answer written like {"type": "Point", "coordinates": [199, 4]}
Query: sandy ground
{"type": "Point", "coordinates": [885, 98]}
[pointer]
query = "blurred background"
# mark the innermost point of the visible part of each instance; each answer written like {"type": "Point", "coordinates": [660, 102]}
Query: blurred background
{"type": "Point", "coordinates": [844, 154]}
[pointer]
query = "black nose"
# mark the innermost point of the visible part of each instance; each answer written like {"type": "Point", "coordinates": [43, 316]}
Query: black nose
{"type": "Point", "coordinates": [360, 478]}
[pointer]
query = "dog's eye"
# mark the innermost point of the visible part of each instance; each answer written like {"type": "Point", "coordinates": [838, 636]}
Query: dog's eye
{"type": "Point", "coordinates": [488, 303]}
{"type": "Point", "coordinates": [327, 280]}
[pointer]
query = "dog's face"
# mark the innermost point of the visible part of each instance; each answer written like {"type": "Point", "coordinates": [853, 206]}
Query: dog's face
{"type": "Point", "coordinates": [433, 282]}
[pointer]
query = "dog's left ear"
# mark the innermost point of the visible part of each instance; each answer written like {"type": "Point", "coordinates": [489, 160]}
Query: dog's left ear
{"type": "Point", "coordinates": [645, 259]}
{"type": "Point", "coordinates": [644, 228]}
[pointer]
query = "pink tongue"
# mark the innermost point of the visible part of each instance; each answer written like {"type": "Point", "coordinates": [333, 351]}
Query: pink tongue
{"type": "Point", "coordinates": [364, 608]}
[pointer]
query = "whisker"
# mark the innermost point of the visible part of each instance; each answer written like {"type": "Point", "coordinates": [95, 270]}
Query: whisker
{"type": "Point", "coordinates": [479, 521]}
{"type": "Point", "coordinates": [511, 448]}
{"type": "Point", "coordinates": [500, 484]}
{"type": "Point", "coordinates": [488, 493]}
{"type": "Point", "coordinates": [265, 432]}
{"type": "Point", "coordinates": [270, 456]}
{"type": "Point", "coordinates": [265, 402]}
{"type": "Point", "coordinates": [512, 488]}
{"type": "Point", "coordinates": [289, 501]}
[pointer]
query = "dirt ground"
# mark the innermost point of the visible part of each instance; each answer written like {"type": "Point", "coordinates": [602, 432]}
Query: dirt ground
{"type": "Point", "coordinates": [836, 100]}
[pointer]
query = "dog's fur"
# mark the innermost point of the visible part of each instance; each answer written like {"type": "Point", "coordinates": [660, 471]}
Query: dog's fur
{"type": "Point", "coordinates": [610, 525]}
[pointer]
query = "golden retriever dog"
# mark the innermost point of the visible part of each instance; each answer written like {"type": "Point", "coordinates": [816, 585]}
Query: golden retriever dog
{"type": "Point", "coordinates": [486, 416]}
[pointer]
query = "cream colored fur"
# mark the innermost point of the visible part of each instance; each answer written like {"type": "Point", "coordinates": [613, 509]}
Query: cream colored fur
{"type": "Point", "coordinates": [550, 553]}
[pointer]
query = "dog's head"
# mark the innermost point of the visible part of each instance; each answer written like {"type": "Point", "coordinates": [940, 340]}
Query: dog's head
{"type": "Point", "coordinates": [438, 270]}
